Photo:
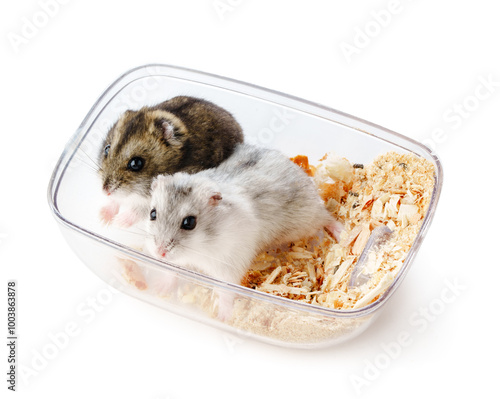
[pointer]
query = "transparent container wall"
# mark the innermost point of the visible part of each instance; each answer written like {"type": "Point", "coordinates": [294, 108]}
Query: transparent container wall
{"type": "Point", "coordinates": [295, 128]}
{"type": "Point", "coordinates": [253, 314]}
{"type": "Point", "coordinates": [269, 119]}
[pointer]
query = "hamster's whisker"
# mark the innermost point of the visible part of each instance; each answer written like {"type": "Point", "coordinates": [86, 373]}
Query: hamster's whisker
{"type": "Point", "coordinates": [90, 158]}
{"type": "Point", "coordinates": [87, 164]}
{"type": "Point", "coordinates": [103, 134]}
{"type": "Point", "coordinates": [139, 233]}
{"type": "Point", "coordinates": [142, 230]}
{"type": "Point", "coordinates": [204, 254]}
{"type": "Point", "coordinates": [135, 232]}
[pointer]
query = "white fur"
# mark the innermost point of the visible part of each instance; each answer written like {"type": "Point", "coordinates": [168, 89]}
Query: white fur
{"type": "Point", "coordinates": [239, 234]}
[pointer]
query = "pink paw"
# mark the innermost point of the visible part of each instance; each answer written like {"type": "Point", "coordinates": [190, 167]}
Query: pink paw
{"type": "Point", "coordinates": [336, 227]}
{"type": "Point", "coordinates": [225, 310]}
{"type": "Point", "coordinates": [126, 219]}
{"type": "Point", "coordinates": [108, 212]}
{"type": "Point", "coordinates": [164, 285]}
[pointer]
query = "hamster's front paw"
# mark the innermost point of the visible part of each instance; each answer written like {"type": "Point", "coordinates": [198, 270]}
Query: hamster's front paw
{"type": "Point", "coordinates": [225, 311]}
{"type": "Point", "coordinates": [336, 227]}
{"type": "Point", "coordinates": [108, 212]}
{"type": "Point", "coordinates": [126, 218]}
{"type": "Point", "coordinates": [165, 285]}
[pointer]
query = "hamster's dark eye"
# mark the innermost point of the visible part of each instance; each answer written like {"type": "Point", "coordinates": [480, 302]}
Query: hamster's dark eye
{"type": "Point", "coordinates": [152, 214]}
{"type": "Point", "coordinates": [188, 223]}
{"type": "Point", "coordinates": [106, 150]}
{"type": "Point", "coordinates": [135, 164]}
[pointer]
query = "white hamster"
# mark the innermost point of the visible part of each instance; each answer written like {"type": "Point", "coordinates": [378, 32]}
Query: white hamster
{"type": "Point", "coordinates": [217, 220]}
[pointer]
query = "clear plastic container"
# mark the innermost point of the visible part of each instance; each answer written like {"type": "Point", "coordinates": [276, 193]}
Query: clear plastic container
{"type": "Point", "coordinates": [269, 118]}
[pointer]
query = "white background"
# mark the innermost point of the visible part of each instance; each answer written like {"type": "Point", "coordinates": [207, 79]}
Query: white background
{"type": "Point", "coordinates": [410, 76]}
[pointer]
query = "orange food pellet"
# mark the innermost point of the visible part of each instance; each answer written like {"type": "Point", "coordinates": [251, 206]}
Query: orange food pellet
{"type": "Point", "coordinates": [303, 162]}
{"type": "Point", "coordinates": [332, 190]}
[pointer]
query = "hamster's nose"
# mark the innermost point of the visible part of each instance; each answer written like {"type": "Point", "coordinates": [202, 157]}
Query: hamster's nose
{"type": "Point", "coordinates": [162, 251]}
{"type": "Point", "coordinates": [107, 187]}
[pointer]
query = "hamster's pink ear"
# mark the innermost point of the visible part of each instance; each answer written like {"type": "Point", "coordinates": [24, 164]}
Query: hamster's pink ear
{"type": "Point", "coordinates": [157, 180]}
{"type": "Point", "coordinates": [154, 184]}
{"type": "Point", "coordinates": [215, 198]}
{"type": "Point", "coordinates": [168, 130]}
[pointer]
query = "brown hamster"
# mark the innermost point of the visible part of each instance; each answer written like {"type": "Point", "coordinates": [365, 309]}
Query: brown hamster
{"type": "Point", "coordinates": [183, 134]}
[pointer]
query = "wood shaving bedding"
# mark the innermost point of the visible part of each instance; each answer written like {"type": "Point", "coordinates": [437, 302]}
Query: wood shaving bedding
{"type": "Point", "coordinates": [394, 190]}
{"type": "Point", "coordinates": [133, 274]}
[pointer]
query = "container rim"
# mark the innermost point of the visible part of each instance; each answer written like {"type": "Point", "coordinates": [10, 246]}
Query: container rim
{"type": "Point", "coordinates": [243, 88]}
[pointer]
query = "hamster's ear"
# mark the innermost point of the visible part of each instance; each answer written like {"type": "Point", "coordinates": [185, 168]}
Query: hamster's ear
{"type": "Point", "coordinates": [215, 198]}
{"type": "Point", "coordinates": [154, 184]}
{"type": "Point", "coordinates": [168, 130]}
{"type": "Point", "coordinates": [169, 133]}
{"type": "Point", "coordinates": [159, 179]}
